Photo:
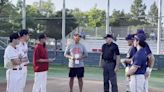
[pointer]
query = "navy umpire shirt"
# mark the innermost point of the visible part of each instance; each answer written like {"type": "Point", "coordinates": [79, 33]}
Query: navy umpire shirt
{"type": "Point", "coordinates": [109, 51]}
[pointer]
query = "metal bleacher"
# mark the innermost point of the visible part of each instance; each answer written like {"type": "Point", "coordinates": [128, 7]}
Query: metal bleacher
{"type": "Point", "coordinates": [95, 45]}
{"type": "Point", "coordinates": [3, 42]}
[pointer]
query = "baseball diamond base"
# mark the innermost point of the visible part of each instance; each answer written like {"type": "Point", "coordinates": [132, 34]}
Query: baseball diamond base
{"type": "Point", "coordinates": [61, 85]}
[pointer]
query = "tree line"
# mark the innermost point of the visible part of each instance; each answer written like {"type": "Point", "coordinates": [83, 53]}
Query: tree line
{"type": "Point", "coordinates": [42, 17]}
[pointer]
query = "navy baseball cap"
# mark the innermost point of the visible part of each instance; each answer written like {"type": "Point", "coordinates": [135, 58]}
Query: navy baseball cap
{"type": "Point", "coordinates": [14, 36]}
{"type": "Point", "coordinates": [23, 32]}
{"type": "Point", "coordinates": [140, 37]}
{"type": "Point", "coordinates": [130, 37]}
{"type": "Point", "coordinates": [140, 31]}
{"type": "Point", "coordinates": [108, 36]}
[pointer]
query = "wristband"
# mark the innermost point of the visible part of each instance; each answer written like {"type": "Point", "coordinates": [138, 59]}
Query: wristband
{"type": "Point", "coordinates": [149, 70]}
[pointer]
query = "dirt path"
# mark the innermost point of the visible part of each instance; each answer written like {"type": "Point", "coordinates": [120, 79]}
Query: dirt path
{"type": "Point", "coordinates": [61, 85]}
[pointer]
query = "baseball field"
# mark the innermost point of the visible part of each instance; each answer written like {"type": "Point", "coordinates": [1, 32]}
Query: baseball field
{"type": "Point", "coordinates": [58, 80]}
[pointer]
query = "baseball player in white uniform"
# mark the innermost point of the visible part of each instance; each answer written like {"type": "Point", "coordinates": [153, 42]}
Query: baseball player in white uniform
{"type": "Point", "coordinates": [23, 49]}
{"type": "Point", "coordinates": [12, 63]}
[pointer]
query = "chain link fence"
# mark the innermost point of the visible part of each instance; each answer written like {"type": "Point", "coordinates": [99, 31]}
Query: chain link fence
{"type": "Point", "coordinates": [120, 32]}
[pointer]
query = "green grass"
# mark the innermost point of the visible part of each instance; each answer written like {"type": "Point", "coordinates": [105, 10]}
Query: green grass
{"type": "Point", "coordinates": [91, 73]}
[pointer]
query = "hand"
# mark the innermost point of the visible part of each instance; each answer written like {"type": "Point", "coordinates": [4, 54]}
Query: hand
{"type": "Point", "coordinates": [25, 59]}
{"type": "Point", "coordinates": [116, 69]}
{"type": "Point", "coordinates": [123, 61]}
{"type": "Point", "coordinates": [72, 58]}
{"type": "Point", "coordinates": [17, 62]}
{"type": "Point", "coordinates": [80, 58]}
{"type": "Point", "coordinates": [127, 75]}
{"type": "Point", "coordinates": [101, 63]}
{"type": "Point", "coordinates": [50, 60]}
{"type": "Point", "coordinates": [147, 74]}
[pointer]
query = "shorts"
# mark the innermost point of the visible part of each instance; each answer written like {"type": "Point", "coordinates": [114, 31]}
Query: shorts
{"type": "Point", "coordinates": [76, 72]}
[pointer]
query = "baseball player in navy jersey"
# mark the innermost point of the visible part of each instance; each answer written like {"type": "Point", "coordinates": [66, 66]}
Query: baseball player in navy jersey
{"type": "Point", "coordinates": [127, 61]}
{"type": "Point", "coordinates": [150, 60]}
{"type": "Point", "coordinates": [23, 49]}
{"type": "Point", "coordinates": [139, 64]}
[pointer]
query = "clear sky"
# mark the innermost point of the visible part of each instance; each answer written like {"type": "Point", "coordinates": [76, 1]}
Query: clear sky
{"type": "Point", "coordinates": [86, 5]}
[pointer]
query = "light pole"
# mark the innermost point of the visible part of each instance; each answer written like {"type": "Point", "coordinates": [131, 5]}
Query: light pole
{"type": "Point", "coordinates": [159, 26]}
{"type": "Point", "coordinates": [63, 26]}
{"type": "Point", "coordinates": [24, 14]}
{"type": "Point", "coordinates": [107, 17]}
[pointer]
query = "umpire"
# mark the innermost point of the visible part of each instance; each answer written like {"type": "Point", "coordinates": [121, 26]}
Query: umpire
{"type": "Point", "coordinates": [109, 61]}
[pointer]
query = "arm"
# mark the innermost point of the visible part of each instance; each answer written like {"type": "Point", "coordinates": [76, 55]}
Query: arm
{"type": "Point", "coordinates": [25, 59]}
{"type": "Point", "coordinates": [136, 64]}
{"type": "Point", "coordinates": [128, 61]}
{"type": "Point", "coordinates": [43, 60]}
{"type": "Point", "coordinates": [67, 53]}
{"type": "Point", "coordinates": [117, 62]}
{"type": "Point", "coordinates": [13, 57]}
{"type": "Point", "coordinates": [151, 60]}
{"type": "Point", "coordinates": [101, 62]}
{"type": "Point", "coordinates": [38, 57]}
{"type": "Point", "coordinates": [150, 56]}
{"type": "Point", "coordinates": [16, 61]}
{"type": "Point", "coordinates": [117, 53]}
{"type": "Point", "coordinates": [132, 70]}
{"type": "Point", "coordinates": [68, 56]}
{"type": "Point", "coordinates": [150, 63]}
{"type": "Point", "coordinates": [85, 54]}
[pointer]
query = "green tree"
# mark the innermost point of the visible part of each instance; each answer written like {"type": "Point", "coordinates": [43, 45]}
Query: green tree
{"type": "Point", "coordinates": [80, 17]}
{"type": "Point", "coordinates": [96, 17]}
{"type": "Point", "coordinates": [119, 18]}
{"type": "Point", "coordinates": [3, 4]}
{"type": "Point", "coordinates": [46, 8]}
{"type": "Point", "coordinates": [138, 13]}
{"type": "Point", "coordinates": [41, 10]}
{"type": "Point", "coordinates": [9, 17]}
{"type": "Point", "coordinates": [138, 8]}
{"type": "Point", "coordinates": [153, 13]}
{"type": "Point", "coordinates": [32, 12]}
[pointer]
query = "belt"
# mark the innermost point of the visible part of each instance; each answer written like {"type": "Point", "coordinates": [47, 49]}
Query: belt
{"type": "Point", "coordinates": [17, 69]}
{"type": "Point", "coordinates": [109, 61]}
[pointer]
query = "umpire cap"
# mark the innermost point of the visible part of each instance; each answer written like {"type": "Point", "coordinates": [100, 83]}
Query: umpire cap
{"type": "Point", "coordinates": [108, 36]}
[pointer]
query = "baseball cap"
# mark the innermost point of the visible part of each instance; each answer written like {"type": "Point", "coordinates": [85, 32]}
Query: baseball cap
{"type": "Point", "coordinates": [130, 37]}
{"type": "Point", "coordinates": [77, 34]}
{"type": "Point", "coordinates": [140, 31]}
{"type": "Point", "coordinates": [14, 36]}
{"type": "Point", "coordinates": [108, 36]}
{"type": "Point", "coordinates": [23, 32]}
{"type": "Point", "coordinates": [140, 37]}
